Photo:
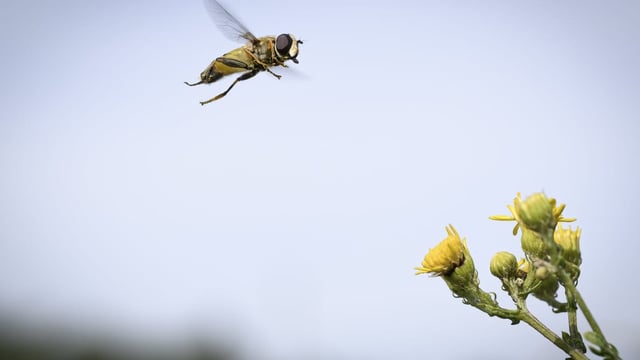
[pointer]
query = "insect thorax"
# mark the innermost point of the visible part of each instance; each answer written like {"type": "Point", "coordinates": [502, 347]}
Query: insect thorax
{"type": "Point", "coordinates": [264, 50]}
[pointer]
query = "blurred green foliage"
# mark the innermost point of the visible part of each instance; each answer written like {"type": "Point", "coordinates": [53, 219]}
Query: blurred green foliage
{"type": "Point", "coordinates": [16, 343]}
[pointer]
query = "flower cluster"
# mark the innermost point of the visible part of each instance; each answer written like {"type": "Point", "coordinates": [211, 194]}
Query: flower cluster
{"type": "Point", "coordinates": [552, 259]}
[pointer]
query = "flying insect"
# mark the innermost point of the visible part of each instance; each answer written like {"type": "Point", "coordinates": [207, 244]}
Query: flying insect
{"type": "Point", "coordinates": [258, 54]}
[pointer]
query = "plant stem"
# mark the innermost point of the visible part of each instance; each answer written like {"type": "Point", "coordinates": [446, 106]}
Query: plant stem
{"type": "Point", "coordinates": [528, 318]}
{"type": "Point", "coordinates": [572, 312]}
{"type": "Point", "coordinates": [571, 288]}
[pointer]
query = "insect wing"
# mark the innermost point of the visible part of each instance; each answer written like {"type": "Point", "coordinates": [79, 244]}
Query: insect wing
{"type": "Point", "coordinates": [227, 23]}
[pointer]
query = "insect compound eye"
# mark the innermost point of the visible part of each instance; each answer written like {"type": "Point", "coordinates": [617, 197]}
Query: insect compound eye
{"type": "Point", "coordinates": [283, 44]}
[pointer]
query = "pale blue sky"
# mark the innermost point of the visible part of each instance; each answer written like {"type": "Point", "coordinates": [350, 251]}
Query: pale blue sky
{"type": "Point", "coordinates": [290, 213]}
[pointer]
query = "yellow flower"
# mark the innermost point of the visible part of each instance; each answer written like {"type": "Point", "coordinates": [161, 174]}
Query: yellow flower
{"type": "Point", "coordinates": [452, 260]}
{"type": "Point", "coordinates": [569, 241]}
{"type": "Point", "coordinates": [445, 257]}
{"type": "Point", "coordinates": [535, 211]}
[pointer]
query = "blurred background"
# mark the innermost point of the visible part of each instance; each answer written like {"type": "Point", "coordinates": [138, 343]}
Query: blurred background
{"type": "Point", "coordinates": [284, 221]}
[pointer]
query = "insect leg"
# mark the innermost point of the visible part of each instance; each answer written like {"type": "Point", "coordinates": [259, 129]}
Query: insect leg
{"type": "Point", "coordinates": [211, 74]}
{"type": "Point", "coordinates": [245, 76]}
{"type": "Point", "coordinates": [262, 64]}
{"type": "Point", "coordinates": [207, 76]}
{"type": "Point", "coordinates": [233, 63]}
{"type": "Point", "coordinates": [272, 73]}
{"type": "Point", "coordinates": [194, 84]}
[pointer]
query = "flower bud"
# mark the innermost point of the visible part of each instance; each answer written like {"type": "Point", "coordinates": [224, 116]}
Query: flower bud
{"type": "Point", "coordinates": [536, 212]}
{"type": "Point", "coordinates": [569, 241]}
{"type": "Point", "coordinates": [532, 244]}
{"type": "Point", "coordinates": [548, 290]}
{"type": "Point", "coordinates": [504, 265]}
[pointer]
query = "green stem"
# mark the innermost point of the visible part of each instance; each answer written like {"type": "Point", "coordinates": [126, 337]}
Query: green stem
{"type": "Point", "coordinates": [486, 302]}
{"type": "Point", "coordinates": [571, 289]}
{"type": "Point", "coordinates": [573, 295]}
{"type": "Point", "coordinates": [528, 318]}
{"type": "Point", "coordinates": [572, 314]}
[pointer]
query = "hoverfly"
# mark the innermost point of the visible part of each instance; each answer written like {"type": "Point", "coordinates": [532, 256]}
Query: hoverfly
{"type": "Point", "coordinates": [258, 54]}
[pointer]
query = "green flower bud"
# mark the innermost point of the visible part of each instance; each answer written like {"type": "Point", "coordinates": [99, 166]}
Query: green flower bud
{"type": "Point", "coordinates": [532, 244]}
{"type": "Point", "coordinates": [547, 291]}
{"type": "Point", "coordinates": [504, 265]}
{"type": "Point", "coordinates": [547, 288]}
{"type": "Point", "coordinates": [533, 213]}
{"type": "Point", "coordinates": [536, 212]}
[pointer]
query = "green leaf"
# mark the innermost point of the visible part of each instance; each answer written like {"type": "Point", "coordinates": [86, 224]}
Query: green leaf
{"type": "Point", "coordinates": [595, 339]}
